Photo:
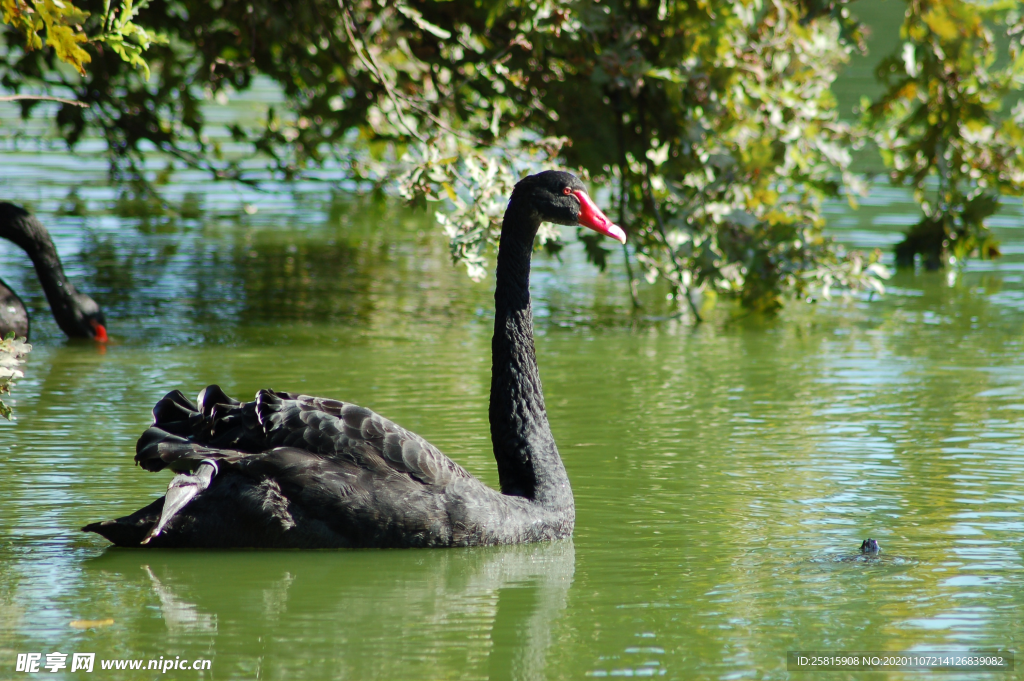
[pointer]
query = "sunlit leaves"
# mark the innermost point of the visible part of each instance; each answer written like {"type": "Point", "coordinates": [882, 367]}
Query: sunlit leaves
{"type": "Point", "coordinates": [66, 43]}
{"type": "Point", "coordinates": [941, 127]}
{"type": "Point", "coordinates": [12, 353]}
{"type": "Point", "coordinates": [728, 142]}
{"type": "Point", "coordinates": [473, 187]}
{"type": "Point", "coordinates": [61, 22]}
{"type": "Point", "coordinates": [66, 27]}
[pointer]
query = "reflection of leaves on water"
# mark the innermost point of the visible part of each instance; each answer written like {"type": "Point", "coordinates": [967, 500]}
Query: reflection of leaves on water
{"type": "Point", "coordinates": [118, 270]}
{"type": "Point", "coordinates": [353, 261]}
{"type": "Point", "coordinates": [91, 624]}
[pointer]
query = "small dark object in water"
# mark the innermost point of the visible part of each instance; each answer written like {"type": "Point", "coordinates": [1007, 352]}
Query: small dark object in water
{"type": "Point", "coordinates": [870, 554]}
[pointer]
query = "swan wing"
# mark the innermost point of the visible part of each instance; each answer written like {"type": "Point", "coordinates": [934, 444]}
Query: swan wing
{"type": "Point", "coordinates": [348, 432]}
{"type": "Point", "coordinates": [184, 433]}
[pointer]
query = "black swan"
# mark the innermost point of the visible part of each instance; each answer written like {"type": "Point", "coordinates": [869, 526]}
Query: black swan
{"type": "Point", "coordinates": [77, 314]}
{"type": "Point", "coordinates": [292, 471]}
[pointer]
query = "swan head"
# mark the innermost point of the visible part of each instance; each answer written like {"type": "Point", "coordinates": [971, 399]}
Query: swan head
{"type": "Point", "coordinates": [89, 318]}
{"type": "Point", "coordinates": [560, 197]}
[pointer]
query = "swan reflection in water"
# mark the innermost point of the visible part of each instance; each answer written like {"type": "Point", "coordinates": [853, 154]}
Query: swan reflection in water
{"type": "Point", "coordinates": [480, 612]}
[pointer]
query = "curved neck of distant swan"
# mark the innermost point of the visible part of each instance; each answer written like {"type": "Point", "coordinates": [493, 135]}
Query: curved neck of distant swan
{"type": "Point", "coordinates": [26, 231]}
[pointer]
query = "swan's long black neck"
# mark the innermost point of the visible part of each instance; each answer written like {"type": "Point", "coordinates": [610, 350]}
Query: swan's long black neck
{"type": "Point", "coordinates": [24, 230]}
{"type": "Point", "coordinates": [528, 461]}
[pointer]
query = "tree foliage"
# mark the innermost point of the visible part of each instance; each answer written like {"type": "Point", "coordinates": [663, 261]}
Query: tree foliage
{"type": "Point", "coordinates": [942, 127]}
{"type": "Point", "coordinates": [723, 136]}
{"type": "Point", "coordinates": [712, 122]}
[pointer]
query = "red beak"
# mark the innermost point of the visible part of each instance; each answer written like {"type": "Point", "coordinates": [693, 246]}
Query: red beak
{"type": "Point", "coordinates": [592, 217]}
{"type": "Point", "coordinates": [99, 332]}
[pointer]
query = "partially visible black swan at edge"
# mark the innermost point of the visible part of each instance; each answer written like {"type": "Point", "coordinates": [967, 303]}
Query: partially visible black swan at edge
{"type": "Point", "coordinates": [77, 314]}
{"type": "Point", "coordinates": [292, 471]}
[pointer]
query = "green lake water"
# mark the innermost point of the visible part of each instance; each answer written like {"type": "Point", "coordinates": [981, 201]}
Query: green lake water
{"type": "Point", "coordinates": [724, 475]}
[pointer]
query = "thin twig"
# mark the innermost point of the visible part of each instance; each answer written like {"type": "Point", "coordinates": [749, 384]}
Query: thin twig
{"type": "Point", "coordinates": [393, 94]}
{"type": "Point", "coordinates": [633, 293]}
{"type": "Point", "coordinates": [360, 47]}
{"type": "Point", "coordinates": [623, 167]}
{"type": "Point", "coordinates": [672, 251]}
{"type": "Point", "coordinates": [42, 98]}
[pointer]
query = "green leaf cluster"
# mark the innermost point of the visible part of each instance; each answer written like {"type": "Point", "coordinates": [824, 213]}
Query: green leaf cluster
{"type": "Point", "coordinates": [719, 129]}
{"type": "Point", "coordinates": [942, 127]}
{"type": "Point", "coordinates": [127, 38]}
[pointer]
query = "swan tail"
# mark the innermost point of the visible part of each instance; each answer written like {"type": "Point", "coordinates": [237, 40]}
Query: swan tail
{"type": "Point", "coordinates": [177, 414]}
{"type": "Point", "coordinates": [139, 528]}
{"type": "Point", "coordinates": [280, 413]}
{"type": "Point", "coordinates": [131, 529]}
